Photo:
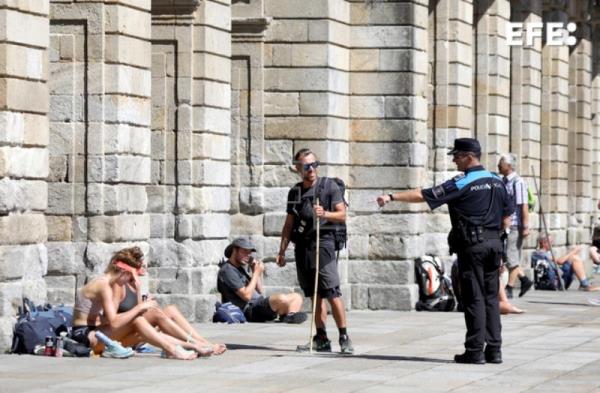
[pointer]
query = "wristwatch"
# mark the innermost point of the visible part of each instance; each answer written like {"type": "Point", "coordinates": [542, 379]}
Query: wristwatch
{"type": "Point", "coordinates": [391, 197]}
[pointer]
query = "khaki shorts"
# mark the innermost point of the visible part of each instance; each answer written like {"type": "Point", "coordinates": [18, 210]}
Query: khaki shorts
{"type": "Point", "coordinates": [514, 245]}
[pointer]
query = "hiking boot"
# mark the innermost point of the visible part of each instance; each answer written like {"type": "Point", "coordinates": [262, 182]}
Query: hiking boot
{"type": "Point", "coordinates": [509, 291]}
{"type": "Point", "coordinates": [117, 351]}
{"type": "Point", "coordinates": [470, 358]}
{"type": "Point", "coordinates": [494, 357]}
{"type": "Point", "coordinates": [294, 317]}
{"type": "Point", "coordinates": [526, 285]}
{"type": "Point", "coordinates": [346, 347]}
{"type": "Point", "coordinates": [320, 344]}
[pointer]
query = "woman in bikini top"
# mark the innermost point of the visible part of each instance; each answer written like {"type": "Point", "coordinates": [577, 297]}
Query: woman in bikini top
{"type": "Point", "coordinates": [96, 307]}
{"type": "Point", "coordinates": [169, 320]}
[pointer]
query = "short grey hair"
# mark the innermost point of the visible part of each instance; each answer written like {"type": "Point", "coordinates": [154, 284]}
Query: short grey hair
{"type": "Point", "coordinates": [510, 159]}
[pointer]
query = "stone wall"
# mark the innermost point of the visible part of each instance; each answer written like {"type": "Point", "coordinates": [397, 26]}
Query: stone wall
{"type": "Point", "coordinates": [172, 125]}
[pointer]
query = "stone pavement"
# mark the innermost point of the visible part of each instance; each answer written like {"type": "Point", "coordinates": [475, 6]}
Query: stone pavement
{"type": "Point", "coordinates": [554, 347]}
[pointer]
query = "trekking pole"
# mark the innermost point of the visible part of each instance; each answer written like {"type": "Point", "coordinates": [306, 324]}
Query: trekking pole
{"type": "Point", "coordinates": [545, 225]}
{"type": "Point", "coordinates": [314, 305]}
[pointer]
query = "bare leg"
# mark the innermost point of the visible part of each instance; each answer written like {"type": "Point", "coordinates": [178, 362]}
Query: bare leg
{"type": "Point", "coordinates": [505, 306]}
{"type": "Point", "coordinates": [320, 313]}
{"type": "Point", "coordinates": [147, 333]}
{"type": "Point", "coordinates": [339, 311]}
{"type": "Point", "coordinates": [515, 273]}
{"type": "Point", "coordinates": [578, 269]}
{"type": "Point", "coordinates": [284, 304]}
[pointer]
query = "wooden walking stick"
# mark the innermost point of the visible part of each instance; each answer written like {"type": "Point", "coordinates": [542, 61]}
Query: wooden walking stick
{"type": "Point", "coordinates": [314, 305]}
{"type": "Point", "coordinates": [553, 263]}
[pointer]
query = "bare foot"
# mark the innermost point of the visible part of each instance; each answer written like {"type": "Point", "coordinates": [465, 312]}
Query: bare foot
{"type": "Point", "coordinates": [204, 350]}
{"type": "Point", "coordinates": [181, 354]}
{"type": "Point", "coordinates": [218, 349]}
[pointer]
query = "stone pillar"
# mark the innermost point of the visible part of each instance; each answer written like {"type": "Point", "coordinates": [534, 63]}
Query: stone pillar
{"type": "Point", "coordinates": [580, 134]}
{"type": "Point", "coordinates": [525, 105]}
{"type": "Point", "coordinates": [554, 128]}
{"type": "Point", "coordinates": [388, 150]}
{"type": "Point", "coordinates": [306, 104]}
{"type": "Point", "coordinates": [189, 195]}
{"type": "Point", "coordinates": [595, 109]}
{"type": "Point", "coordinates": [492, 79]}
{"type": "Point", "coordinates": [118, 140]}
{"type": "Point", "coordinates": [23, 157]}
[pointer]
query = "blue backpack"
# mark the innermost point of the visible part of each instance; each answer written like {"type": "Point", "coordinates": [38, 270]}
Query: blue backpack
{"type": "Point", "coordinates": [34, 324]}
{"type": "Point", "coordinates": [228, 313]}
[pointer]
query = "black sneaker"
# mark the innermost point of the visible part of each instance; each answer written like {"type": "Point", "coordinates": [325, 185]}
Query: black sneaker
{"type": "Point", "coordinates": [320, 344]}
{"type": "Point", "coordinates": [470, 358]}
{"type": "Point", "coordinates": [508, 290]}
{"type": "Point", "coordinates": [294, 317]}
{"type": "Point", "coordinates": [346, 347]}
{"type": "Point", "coordinates": [526, 285]}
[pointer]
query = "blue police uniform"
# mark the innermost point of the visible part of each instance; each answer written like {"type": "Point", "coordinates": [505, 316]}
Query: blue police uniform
{"type": "Point", "coordinates": [477, 202]}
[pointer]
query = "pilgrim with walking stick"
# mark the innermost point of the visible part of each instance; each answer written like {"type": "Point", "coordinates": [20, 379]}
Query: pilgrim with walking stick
{"type": "Point", "coordinates": [315, 209]}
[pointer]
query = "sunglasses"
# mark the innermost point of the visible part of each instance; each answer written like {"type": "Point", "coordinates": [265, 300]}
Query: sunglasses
{"type": "Point", "coordinates": [313, 165]}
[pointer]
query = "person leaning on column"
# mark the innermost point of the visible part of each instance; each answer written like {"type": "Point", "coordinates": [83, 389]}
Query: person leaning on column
{"type": "Point", "coordinates": [479, 209]}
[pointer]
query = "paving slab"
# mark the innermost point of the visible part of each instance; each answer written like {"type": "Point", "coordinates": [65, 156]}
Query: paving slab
{"type": "Point", "coordinates": [553, 347]}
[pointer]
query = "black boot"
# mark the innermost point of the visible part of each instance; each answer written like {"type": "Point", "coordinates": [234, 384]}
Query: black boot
{"type": "Point", "coordinates": [493, 356]}
{"type": "Point", "coordinates": [509, 293]}
{"type": "Point", "coordinates": [526, 285]}
{"type": "Point", "coordinates": [470, 358]}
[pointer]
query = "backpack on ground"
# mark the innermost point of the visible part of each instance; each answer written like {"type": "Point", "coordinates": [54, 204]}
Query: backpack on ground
{"type": "Point", "coordinates": [35, 323]}
{"type": "Point", "coordinates": [545, 275]}
{"type": "Point", "coordinates": [228, 313]}
{"type": "Point", "coordinates": [435, 289]}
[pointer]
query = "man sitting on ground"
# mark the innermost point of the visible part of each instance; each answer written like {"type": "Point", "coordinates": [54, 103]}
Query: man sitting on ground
{"type": "Point", "coordinates": [569, 263]}
{"type": "Point", "coordinates": [244, 288]}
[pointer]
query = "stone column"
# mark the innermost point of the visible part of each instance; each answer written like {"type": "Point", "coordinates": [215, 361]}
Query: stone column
{"type": "Point", "coordinates": [492, 79]}
{"type": "Point", "coordinates": [23, 157]}
{"type": "Point", "coordinates": [554, 128]}
{"type": "Point", "coordinates": [118, 142]}
{"type": "Point", "coordinates": [580, 132]}
{"type": "Point", "coordinates": [388, 150]}
{"type": "Point", "coordinates": [525, 104]}
{"type": "Point", "coordinates": [451, 116]}
{"type": "Point", "coordinates": [595, 109]}
{"type": "Point", "coordinates": [306, 104]}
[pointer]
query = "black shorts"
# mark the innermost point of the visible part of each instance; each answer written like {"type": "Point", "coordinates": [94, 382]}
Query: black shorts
{"type": "Point", "coordinates": [80, 334]}
{"type": "Point", "coordinates": [329, 278]}
{"type": "Point", "coordinates": [259, 310]}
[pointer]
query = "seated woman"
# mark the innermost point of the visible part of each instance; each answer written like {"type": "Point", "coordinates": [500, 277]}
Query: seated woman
{"type": "Point", "coordinates": [169, 320]}
{"type": "Point", "coordinates": [95, 312]}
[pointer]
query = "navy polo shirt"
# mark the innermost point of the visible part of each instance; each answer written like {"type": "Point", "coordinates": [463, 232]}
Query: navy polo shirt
{"type": "Point", "coordinates": [472, 195]}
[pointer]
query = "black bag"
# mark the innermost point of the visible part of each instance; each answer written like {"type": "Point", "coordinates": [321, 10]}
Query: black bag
{"type": "Point", "coordinates": [435, 289]}
{"type": "Point", "coordinates": [303, 230]}
{"type": "Point", "coordinates": [544, 274]}
{"type": "Point", "coordinates": [34, 324]}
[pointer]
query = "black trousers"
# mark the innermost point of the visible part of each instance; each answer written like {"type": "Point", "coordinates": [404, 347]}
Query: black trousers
{"type": "Point", "coordinates": [478, 268]}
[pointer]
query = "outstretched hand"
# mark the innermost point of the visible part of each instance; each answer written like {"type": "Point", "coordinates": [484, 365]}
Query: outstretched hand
{"type": "Point", "coordinates": [383, 199]}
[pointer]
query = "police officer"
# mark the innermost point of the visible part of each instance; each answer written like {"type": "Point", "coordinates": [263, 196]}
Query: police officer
{"type": "Point", "coordinates": [479, 209]}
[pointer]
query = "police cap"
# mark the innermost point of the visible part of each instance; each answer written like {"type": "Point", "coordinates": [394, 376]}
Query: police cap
{"type": "Point", "coordinates": [465, 145]}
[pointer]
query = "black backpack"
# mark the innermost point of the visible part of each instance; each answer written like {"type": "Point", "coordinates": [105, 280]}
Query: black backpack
{"type": "Point", "coordinates": [435, 289]}
{"type": "Point", "coordinates": [302, 229]}
{"type": "Point", "coordinates": [34, 324]}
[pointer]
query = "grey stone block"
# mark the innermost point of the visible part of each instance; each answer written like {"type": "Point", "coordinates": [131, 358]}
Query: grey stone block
{"type": "Point", "coordinates": [260, 199]}
{"type": "Point", "coordinates": [11, 297]}
{"type": "Point", "coordinates": [273, 223]}
{"type": "Point", "coordinates": [395, 247]}
{"type": "Point", "coordinates": [392, 297]}
{"type": "Point", "coordinates": [170, 280]}
{"type": "Point", "coordinates": [204, 279]}
{"type": "Point", "coordinates": [279, 152]}
{"type": "Point", "coordinates": [66, 258]}
{"type": "Point", "coordinates": [242, 224]}
{"type": "Point", "coordinates": [185, 304]}
{"type": "Point", "coordinates": [280, 276]}
{"type": "Point", "coordinates": [380, 272]}
{"type": "Point", "coordinates": [205, 307]}
{"type": "Point", "coordinates": [61, 289]}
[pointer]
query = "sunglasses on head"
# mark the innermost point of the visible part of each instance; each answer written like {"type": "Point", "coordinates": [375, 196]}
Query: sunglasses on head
{"type": "Point", "coordinates": [307, 167]}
